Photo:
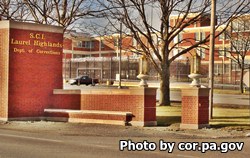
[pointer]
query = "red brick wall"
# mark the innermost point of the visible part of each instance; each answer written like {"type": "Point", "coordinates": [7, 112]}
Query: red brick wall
{"type": "Point", "coordinates": [127, 43]}
{"type": "Point", "coordinates": [142, 106]}
{"type": "Point", "coordinates": [203, 110]}
{"type": "Point", "coordinates": [109, 55]}
{"type": "Point", "coordinates": [67, 56]}
{"type": "Point", "coordinates": [189, 113]}
{"type": "Point", "coordinates": [195, 110]}
{"type": "Point", "coordinates": [66, 101]}
{"type": "Point", "coordinates": [4, 34]}
{"type": "Point", "coordinates": [149, 108]}
{"type": "Point", "coordinates": [67, 44]}
{"type": "Point", "coordinates": [128, 103]}
{"type": "Point", "coordinates": [33, 75]}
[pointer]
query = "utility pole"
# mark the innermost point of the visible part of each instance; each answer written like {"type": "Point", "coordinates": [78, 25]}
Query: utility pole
{"type": "Point", "coordinates": [211, 57]}
{"type": "Point", "coordinates": [249, 88]}
{"type": "Point", "coordinates": [120, 54]}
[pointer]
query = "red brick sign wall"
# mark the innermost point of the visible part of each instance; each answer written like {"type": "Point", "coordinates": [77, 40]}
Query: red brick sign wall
{"type": "Point", "coordinates": [35, 68]}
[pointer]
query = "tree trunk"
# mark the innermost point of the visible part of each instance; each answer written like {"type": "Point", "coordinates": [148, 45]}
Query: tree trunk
{"type": "Point", "coordinates": [165, 86]}
{"type": "Point", "coordinates": [241, 79]}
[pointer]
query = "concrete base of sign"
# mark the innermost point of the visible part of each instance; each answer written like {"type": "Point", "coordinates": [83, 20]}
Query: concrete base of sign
{"type": "Point", "coordinates": [104, 105]}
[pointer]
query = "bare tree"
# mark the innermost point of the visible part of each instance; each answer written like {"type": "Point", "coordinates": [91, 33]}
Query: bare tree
{"type": "Point", "coordinates": [4, 9]}
{"type": "Point", "coordinates": [59, 12]}
{"type": "Point", "coordinates": [239, 37]}
{"type": "Point", "coordinates": [63, 13]}
{"type": "Point", "coordinates": [135, 15]}
{"type": "Point", "coordinates": [13, 10]}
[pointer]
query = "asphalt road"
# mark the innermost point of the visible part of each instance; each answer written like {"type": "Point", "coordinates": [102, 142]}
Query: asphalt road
{"type": "Point", "coordinates": [44, 144]}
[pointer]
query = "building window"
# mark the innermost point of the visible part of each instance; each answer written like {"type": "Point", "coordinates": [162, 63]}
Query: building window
{"type": "Point", "coordinates": [228, 55]}
{"type": "Point", "coordinates": [178, 38]}
{"type": "Point", "coordinates": [116, 40]}
{"type": "Point", "coordinates": [224, 52]}
{"type": "Point", "coordinates": [221, 53]}
{"type": "Point", "coordinates": [221, 36]}
{"type": "Point", "coordinates": [199, 36]}
{"type": "Point", "coordinates": [227, 51]}
{"type": "Point", "coordinates": [201, 52]}
{"type": "Point", "coordinates": [88, 44]}
{"type": "Point", "coordinates": [79, 44]}
{"type": "Point", "coordinates": [102, 44]}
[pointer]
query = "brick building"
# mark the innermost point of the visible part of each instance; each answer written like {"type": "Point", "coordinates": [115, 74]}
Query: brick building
{"type": "Point", "coordinates": [79, 45]}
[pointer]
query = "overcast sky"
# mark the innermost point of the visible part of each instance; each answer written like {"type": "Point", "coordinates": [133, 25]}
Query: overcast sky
{"type": "Point", "coordinates": [153, 13]}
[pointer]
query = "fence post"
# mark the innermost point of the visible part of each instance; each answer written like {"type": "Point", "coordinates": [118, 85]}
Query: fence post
{"type": "Point", "coordinates": [110, 74]}
{"type": "Point", "coordinates": [102, 70]}
{"type": "Point", "coordinates": [176, 70]}
{"type": "Point", "coordinates": [128, 68]}
{"type": "Point", "coordinates": [70, 69]}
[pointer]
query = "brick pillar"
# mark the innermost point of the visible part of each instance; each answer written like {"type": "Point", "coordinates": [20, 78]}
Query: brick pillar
{"type": "Point", "coordinates": [195, 108]}
{"type": "Point", "coordinates": [4, 71]}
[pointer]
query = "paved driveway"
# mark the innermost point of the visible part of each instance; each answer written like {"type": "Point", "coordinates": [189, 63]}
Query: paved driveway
{"type": "Point", "coordinates": [218, 98]}
{"type": "Point", "coordinates": [175, 95]}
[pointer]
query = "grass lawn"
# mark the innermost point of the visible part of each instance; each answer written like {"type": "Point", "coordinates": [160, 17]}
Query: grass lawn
{"type": "Point", "coordinates": [228, 91]}
{"type": "Point", "coordinates": [222, 116]}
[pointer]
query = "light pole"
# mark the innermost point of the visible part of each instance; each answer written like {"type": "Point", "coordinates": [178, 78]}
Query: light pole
{"type": "Point", "coordinates": [120, 54]}
{"type": "Point", "coordinates": [211, 57]}
{"type": "Point", "coordinates": [223, 69]}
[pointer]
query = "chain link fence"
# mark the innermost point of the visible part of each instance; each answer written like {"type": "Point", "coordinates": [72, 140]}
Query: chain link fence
{"type": "Point", "coordinates": [107, 68]}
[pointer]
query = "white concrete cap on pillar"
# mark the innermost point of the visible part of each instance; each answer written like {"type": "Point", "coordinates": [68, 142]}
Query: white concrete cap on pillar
{"type": "Point", "coordinates": [196, 79]}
